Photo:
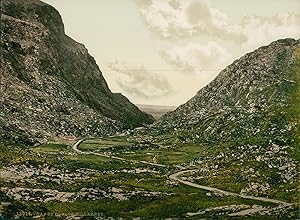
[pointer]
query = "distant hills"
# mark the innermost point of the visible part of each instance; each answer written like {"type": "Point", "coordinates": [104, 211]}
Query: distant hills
{"type": "Point", "coordinates": [156, 110]}
{"type": "Point", "coordinates": [50, 84]}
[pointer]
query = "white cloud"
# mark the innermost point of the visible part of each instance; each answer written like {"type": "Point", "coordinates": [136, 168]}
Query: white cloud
{"type": "Point", "coordinates": [174, 18]}
{"type": "Point", "coordinates": [182, 24]}
{"type": "Point", "coordinates": [139, 82]}
{"type": "Point", "coordinates": [198, 58]}
{"type": "Point", "coordinates": [263, 30]}
{"type": "Point", "coordinates": [182, 19]}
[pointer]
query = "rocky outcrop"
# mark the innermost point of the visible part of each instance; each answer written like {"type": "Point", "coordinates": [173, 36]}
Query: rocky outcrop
{"type": "Point", "coordinates": [253, 100]}
{"type": "Point", "coordinates": [247, 123]}
{"type": "Point", "coordinates": [50, 85]}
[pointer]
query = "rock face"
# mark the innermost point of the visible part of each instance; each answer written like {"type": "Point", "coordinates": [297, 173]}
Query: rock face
{"type": "Point", "coordinates": [50, 85]}
{"type": "Point", "coordinates": [255, 99]}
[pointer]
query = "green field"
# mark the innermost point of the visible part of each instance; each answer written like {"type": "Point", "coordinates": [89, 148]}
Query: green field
{"type": "Point", "coordinates": [148, 191]}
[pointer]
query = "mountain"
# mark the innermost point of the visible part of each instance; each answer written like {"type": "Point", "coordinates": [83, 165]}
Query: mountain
{"type": "Point", "coordinates": [50, 84]}
{"type": "Point", "coordinates": [242, 131]}
{"type": "Point", "coordinates": [256, 99]}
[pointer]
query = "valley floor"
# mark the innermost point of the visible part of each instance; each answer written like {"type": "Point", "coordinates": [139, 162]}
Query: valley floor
{"type": "Point", "coordinates": [125, 178]}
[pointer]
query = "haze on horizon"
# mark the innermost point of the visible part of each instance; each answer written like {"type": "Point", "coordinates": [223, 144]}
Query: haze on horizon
{"type": "Point", "coordinates": [161, 52]}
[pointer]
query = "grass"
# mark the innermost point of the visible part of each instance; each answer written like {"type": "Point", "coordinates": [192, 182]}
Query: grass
{"type": "Point", "coordinates": [227, 176]}
{"type": "Point", "coordinates": [295, 112]}
{"type": "Point", "coordinates": [51, 148]}
{"type": "Point", "coordinates": [13, 155]}
{"type": "Point", "coordinates": [149, 208]}
{"type": "Point", "coordinates": [178, 154]}
{"type": "Point", "coordinates": [110, 173]}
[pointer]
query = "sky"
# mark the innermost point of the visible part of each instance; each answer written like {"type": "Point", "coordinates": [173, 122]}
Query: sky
{"type": "Point", "coordinates": [161, 52]}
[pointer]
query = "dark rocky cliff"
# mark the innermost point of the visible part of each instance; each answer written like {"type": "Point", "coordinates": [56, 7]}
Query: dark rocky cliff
{"type": "Point", "coordinates": [50, 85]}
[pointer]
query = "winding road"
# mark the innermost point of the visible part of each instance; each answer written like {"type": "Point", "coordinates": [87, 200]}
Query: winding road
{"type": "Point", "coordinates": [76, 145]}
{"type": "Point", "coordinates": [177, 177]}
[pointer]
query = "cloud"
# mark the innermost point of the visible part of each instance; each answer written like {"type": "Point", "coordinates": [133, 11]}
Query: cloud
{"type": "Point", "coordinates": [198, 58]}
{"type": "Point", "coordinates": [182, 19]}
{"type": "Point", "coordinates": [189, 18]}
{"type": "Point", "coordinates": [185, 25]}
{"type": "Point", "coordinates": [140, 82]}
{"type": "Point", "coordinates": [174, 18]}
{"type": "Point", "coordinates": [263, 30]}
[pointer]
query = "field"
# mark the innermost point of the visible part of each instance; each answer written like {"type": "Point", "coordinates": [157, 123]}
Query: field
{"type": "Point", "coordinates": [120, 177]}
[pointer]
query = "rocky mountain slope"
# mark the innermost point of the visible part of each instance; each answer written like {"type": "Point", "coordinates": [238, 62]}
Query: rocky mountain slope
{"type": "Point", "coordinates": [246, 125]}
{"type": "Point", "coordinates": [50, 85]}
{"type": "Point", "coordinates": [255, 99]}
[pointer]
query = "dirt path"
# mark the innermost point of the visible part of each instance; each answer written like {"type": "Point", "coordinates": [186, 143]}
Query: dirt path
{"type": "Point", "coordinates": [76, 145]}
{"type": "Point", "coordinates": [177, 177]}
